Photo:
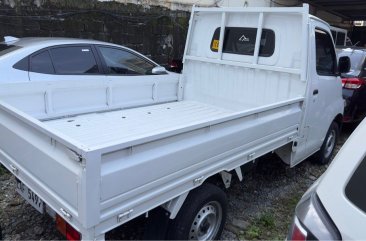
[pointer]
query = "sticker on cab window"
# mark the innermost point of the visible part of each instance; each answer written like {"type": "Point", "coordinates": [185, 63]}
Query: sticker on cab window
{"type": "Point", "coordinates": [215, 44]}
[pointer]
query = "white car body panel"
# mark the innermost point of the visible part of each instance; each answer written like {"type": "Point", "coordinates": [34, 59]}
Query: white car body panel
{"type": "Point", "coordinates": [348, 218]}
{"type": "Point", "coordinates": [223, 112]}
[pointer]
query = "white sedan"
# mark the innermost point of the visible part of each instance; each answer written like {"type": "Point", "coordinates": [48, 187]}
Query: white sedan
{"type": "Point", "coordinates": [334, 208]}
{"type": "Point", "coordinates": [38, 59]}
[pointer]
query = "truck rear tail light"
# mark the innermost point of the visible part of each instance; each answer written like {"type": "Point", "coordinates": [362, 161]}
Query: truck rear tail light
{"type": "Point", "coordinates": [298, 232]}
{"type": "Point", "coordinates": [352, 83]}
{"type": "Point", "coordinates": [66, 229]}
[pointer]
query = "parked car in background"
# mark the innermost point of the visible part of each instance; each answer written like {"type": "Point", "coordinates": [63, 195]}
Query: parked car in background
{"type": "Point", "coordinates": [175, 65]}
{"type": "Point", "coordinates": [353, 82]}
{"type": "Point", "coordinates": [334, 208]}
{"type": "Point", "coordinates": [66, 59]}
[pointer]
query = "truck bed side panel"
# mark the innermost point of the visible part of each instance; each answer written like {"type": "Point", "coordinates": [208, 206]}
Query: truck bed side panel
{"type": "Point", "coordinates": [141, 169]}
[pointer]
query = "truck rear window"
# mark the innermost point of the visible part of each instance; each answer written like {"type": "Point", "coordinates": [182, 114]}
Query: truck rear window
{"type": "Point", "coordinates": [355, 189]}
{"type": "Point", "coordinates": [5, 49]}
{"type": "Point", "coordinates": [242, 41]}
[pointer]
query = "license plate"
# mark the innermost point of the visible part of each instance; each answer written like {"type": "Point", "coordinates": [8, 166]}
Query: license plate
{"type": "Point", "coordinates": [30, 196]}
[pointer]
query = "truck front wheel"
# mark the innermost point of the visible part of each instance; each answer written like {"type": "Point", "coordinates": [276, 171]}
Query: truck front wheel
{"type": "Point", "coordinates": [202, 216]}
{"type": "Point", "coordinates": [329, 144]}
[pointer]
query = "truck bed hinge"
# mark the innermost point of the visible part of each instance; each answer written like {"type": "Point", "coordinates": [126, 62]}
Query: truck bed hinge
{"type": "Point", "coordinates": [66, 214]}
{"type": "Point", "coordinates": [75, 156]}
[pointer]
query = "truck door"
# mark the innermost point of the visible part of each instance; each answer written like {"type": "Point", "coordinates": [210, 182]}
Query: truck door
{"type": "Point", "coordinates": [325, 90]}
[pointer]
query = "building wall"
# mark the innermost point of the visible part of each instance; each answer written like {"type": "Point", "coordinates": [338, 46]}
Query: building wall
{"type": "Point", "coordinates": [186, 5]}
{"type": "Point", "coordinates": [156, 28]}
{"type": "Point", "coordinates": [156, 31]}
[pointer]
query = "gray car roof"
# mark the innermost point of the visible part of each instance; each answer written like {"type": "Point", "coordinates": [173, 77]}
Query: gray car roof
{"type": "Point", "coordinates": [46, 41]}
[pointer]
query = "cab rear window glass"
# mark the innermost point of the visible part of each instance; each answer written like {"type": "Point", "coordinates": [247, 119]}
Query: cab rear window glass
{"type": "Point", "coordinates": [242, 41]}
{"type": "Point", "coordinates": [355, 189]}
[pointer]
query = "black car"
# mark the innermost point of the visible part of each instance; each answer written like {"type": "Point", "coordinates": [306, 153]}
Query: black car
{"type": "Point", "coordinates": [354, 85]}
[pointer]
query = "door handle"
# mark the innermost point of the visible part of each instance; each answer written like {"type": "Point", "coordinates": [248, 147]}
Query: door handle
{"type": "Point", "coordinates": [315, 92]}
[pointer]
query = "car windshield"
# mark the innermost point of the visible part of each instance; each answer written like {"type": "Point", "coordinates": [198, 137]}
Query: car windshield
{"type": "Point", "coordinates": [357, 63]}
{"type": "Point", "coordinates": [5, 49]}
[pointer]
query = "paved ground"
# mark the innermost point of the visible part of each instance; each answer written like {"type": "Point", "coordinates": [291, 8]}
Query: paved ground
{"type": "Point", "coordinates": [260, 207]}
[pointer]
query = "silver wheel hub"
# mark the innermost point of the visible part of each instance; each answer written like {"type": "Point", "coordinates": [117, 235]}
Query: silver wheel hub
{"type": "Point", "coordinates": [207, 222]}
{"type": "Point", "coordinates": [330, 143]}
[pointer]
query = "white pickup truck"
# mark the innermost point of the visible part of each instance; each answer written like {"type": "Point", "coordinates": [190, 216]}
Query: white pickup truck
{"type": "Point", "coordinates": [96, 154]}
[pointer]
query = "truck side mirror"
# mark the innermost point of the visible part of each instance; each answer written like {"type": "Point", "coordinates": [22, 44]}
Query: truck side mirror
{"type": "Point", "coordinates": [344, 64]}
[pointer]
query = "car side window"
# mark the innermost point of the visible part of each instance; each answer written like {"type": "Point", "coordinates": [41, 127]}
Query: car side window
{"type": "Point", "coordinates": [74, 60]}
{"type": "Point", "coordinates": [42, 63]}
{"type": "Point", "coordinates": [123, 62]}
{"type": "Point", "coordinates": [326, 63]}
{"type": "Point", "coordinates": [355, 187]}
{"type": "Point", "coordinates": [363, 68]}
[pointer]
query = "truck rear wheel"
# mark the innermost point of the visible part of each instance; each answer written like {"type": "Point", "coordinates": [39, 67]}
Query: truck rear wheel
{"type": "Point", "coordinates": [202, 216]}
{"type": "Point", "coordinates": [329, 144]}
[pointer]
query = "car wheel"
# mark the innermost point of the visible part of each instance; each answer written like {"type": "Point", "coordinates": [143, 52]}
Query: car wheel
{"type": "Point", "coordinates": [202, 216]}
{"type": "Point", "coordinates": [329, 144]}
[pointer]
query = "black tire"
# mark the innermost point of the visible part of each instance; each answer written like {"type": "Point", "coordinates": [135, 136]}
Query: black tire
{"type": "Point", "coordinates": [327, 149]}
{"type": "Point", "coordinates": [199, 215]}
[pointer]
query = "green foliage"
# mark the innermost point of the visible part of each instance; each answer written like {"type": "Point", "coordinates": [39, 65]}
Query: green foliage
{"type": "Point", "coordinates": [253, 232]}
{"type": "Point", "coordinates": [267, 220]}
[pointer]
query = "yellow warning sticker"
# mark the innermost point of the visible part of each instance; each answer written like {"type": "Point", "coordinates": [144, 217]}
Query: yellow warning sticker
{"type": "Point", "coordinates": [215, 44]}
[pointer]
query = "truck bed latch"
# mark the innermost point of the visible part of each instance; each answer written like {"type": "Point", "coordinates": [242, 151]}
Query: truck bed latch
{"type": "Point", "coordinates": [124, 215]}
{"type": "Point", "coordinates": [14, 169]}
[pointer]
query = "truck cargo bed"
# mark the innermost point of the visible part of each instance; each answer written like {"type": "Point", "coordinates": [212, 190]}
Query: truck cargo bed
{"type": "Point", "coordinates": [104, 128]}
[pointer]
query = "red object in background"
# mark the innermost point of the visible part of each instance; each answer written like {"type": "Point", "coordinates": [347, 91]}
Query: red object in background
{"type": "Point", "coordinates": [175, 65]}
